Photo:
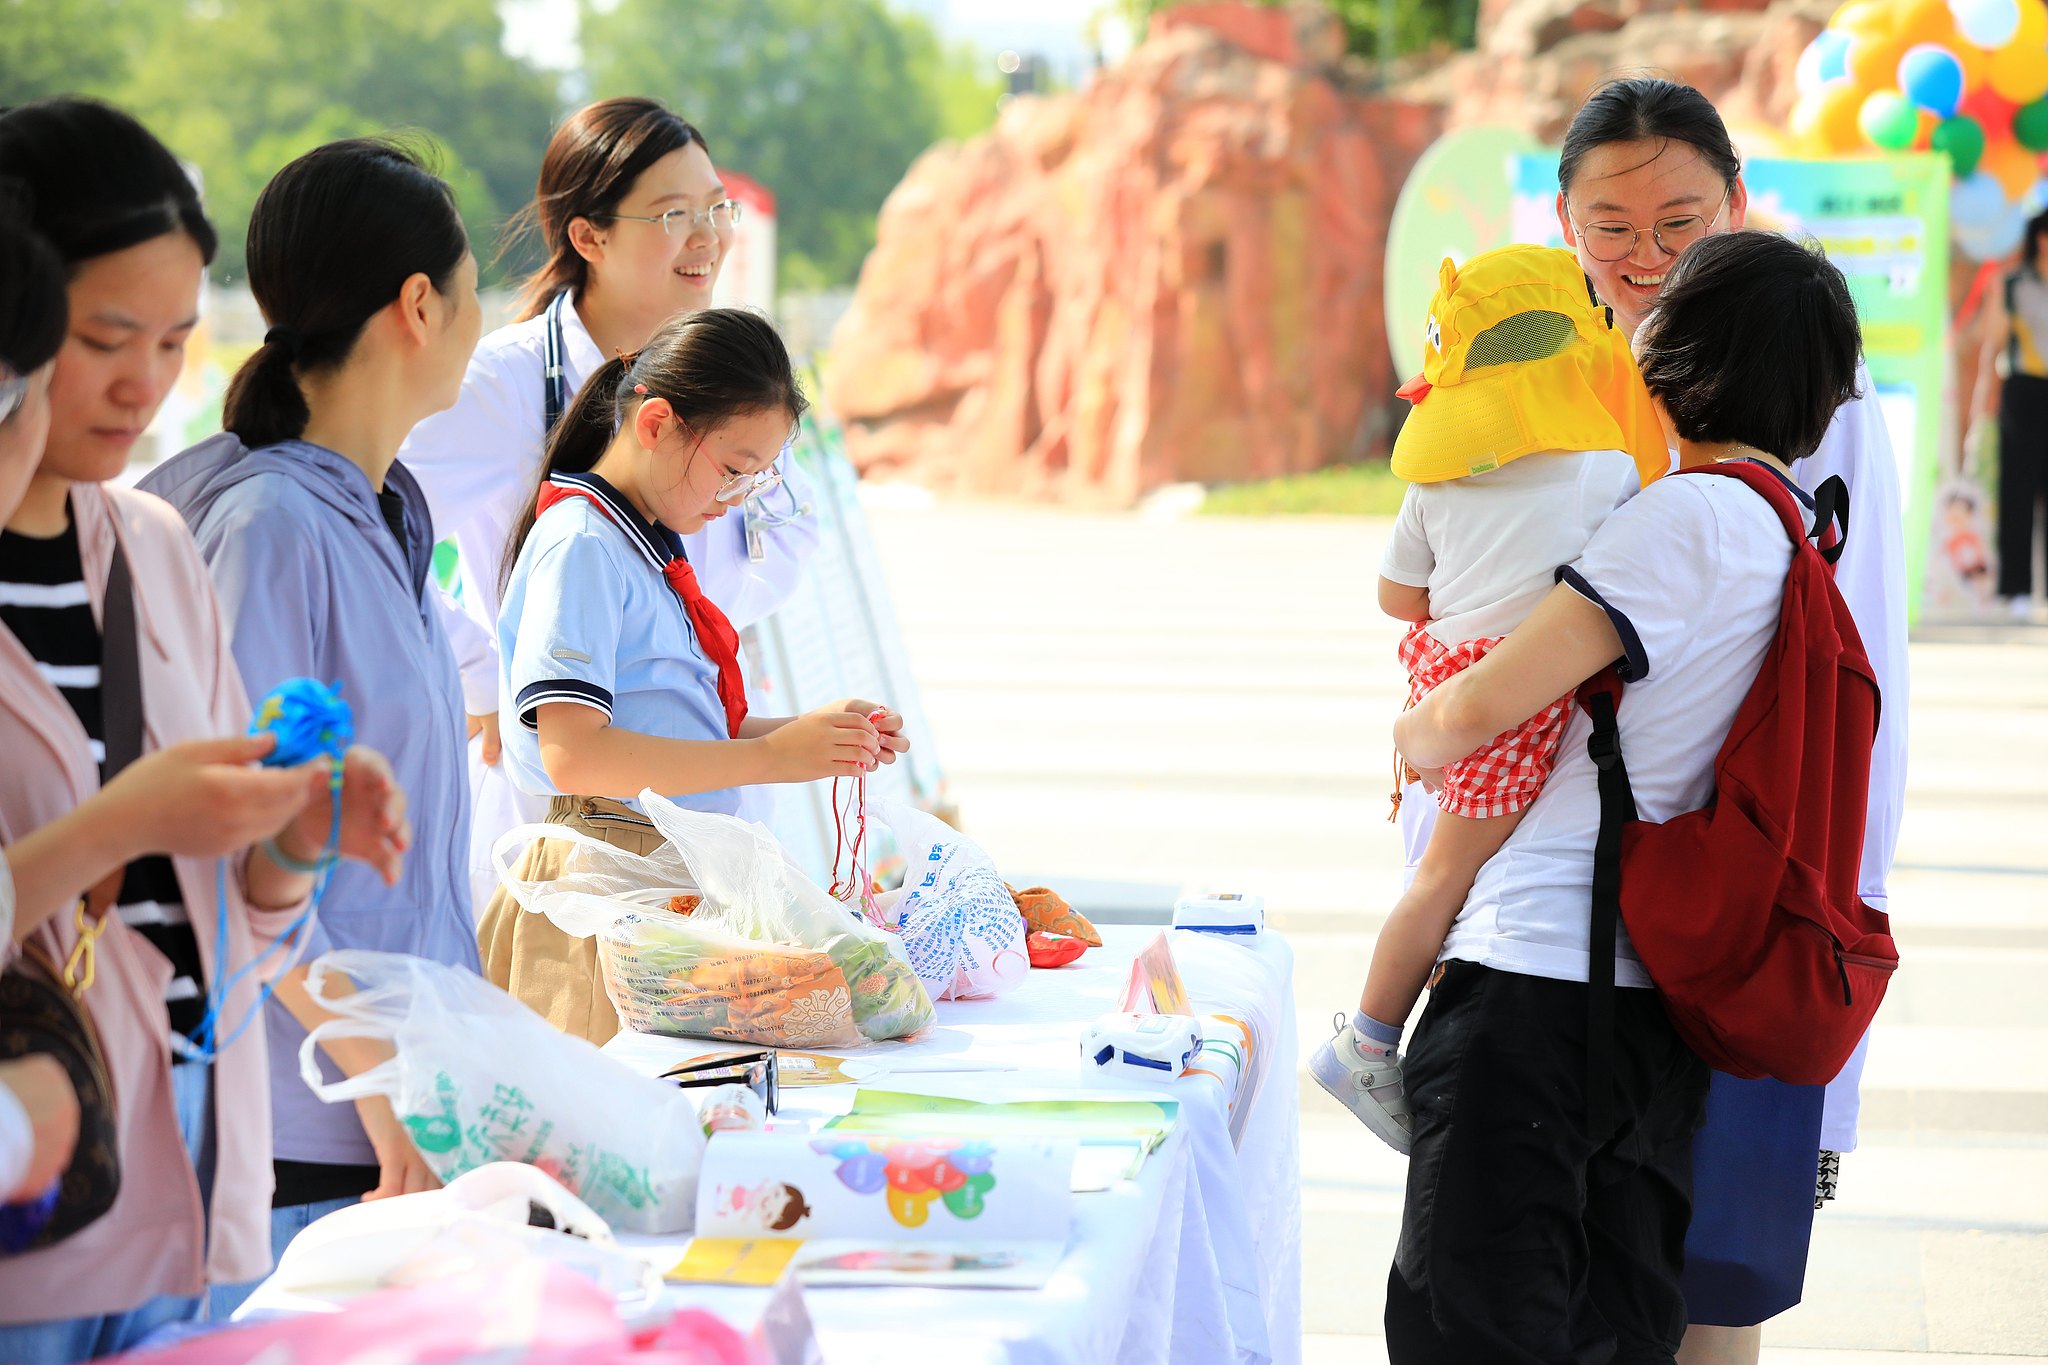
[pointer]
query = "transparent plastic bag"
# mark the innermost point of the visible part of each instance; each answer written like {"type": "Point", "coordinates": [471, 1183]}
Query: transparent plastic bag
{"type": "Point", "coordinates": [478, 1077]}
{"type": "Point", "coordinates": [750, 887]}
{"type": "Point", "coordinates": [960, 924]}
{"type": "Point", "coordinates": [672, 967]}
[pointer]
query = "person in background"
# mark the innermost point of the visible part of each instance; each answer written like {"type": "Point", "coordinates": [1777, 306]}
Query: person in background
{"type": "Point", "coordinates": [2012, 385]}
{"type": "Point", "coordinates": [619, 674]}
{"type": "Point", "coordinates": [636, 226]}
{"type": "Point", "coordinates": [132, 244]}
{"type": "Point", "coordinates": [320, 546]}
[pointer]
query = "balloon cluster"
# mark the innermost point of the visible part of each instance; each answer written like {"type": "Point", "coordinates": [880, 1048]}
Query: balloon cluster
{"type": "Point", "coordinates": [913, 1174]}
{"type": "Point", "coordinates": [1964, 77]}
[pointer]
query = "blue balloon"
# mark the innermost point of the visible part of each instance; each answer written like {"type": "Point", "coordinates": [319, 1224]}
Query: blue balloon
{"type": "Point", "coordinates": [1976, 203]}
{"type": "Point", "coordinates": [1834, 54]}
{"type": "Point", "coordinates": [1932, 78]}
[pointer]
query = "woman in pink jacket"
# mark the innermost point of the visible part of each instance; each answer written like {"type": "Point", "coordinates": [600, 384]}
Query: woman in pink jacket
{"type": "Point", "coordinates": [194, 1141]}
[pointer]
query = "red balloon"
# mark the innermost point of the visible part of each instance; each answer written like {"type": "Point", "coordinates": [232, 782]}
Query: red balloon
{"type": "Point", "coordinates": [1992, 111]}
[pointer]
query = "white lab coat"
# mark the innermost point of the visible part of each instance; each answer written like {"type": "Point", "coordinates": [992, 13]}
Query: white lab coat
{"type": "Point", "coordinates": [478, 463]}
{"type": "Point", "coordinates": [1872, 577]}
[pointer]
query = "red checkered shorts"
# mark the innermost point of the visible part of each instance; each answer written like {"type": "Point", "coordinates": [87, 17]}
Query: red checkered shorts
{"type": "Point", "coordinates": [1504, 775]}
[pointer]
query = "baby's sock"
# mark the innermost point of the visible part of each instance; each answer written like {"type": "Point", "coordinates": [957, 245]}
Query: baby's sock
{"type": "Point", "coordinates": [1374, 1038]}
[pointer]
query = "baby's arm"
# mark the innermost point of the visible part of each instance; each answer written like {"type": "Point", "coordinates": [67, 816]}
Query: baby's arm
{"type": "Point", "coordinates": [1402, 602]}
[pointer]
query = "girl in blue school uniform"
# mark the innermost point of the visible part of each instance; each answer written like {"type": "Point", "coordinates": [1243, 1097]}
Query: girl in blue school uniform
{"type": "Point", "coordinates": [617, 674]}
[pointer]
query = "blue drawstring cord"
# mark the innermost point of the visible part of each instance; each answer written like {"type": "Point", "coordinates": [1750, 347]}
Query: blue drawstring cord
{"type": "Point", "coordinates": [309, 720]}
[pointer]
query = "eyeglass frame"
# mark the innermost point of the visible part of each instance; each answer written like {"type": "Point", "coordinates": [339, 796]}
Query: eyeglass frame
{"type": "Point", "coordinates": [1655, 230]}
{"type": "Point", "coordinates": [13, 391]}
{"type": "Point", "coordinates": [737, 488]}
{"type": "Point", "coordinates": [694, 216]}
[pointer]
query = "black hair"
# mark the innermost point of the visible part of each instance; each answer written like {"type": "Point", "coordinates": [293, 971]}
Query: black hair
{"type": "Point", "coordinates": [97, 181]}
{"type": "Point", "coordinates": [1647, 109]}
{"type": "Point", "coordinates": [332, 238]}
{"type": "Point", "coordinates": [2030, 248]}
{"type": "Point", "coordinates": [711, 366]}
{"type": "Point", "coordinates": [1752, 339]}
{"type": "Point", "coordinates": [591, 163]}
{"type": "Point", "coordinates": [34, 309]}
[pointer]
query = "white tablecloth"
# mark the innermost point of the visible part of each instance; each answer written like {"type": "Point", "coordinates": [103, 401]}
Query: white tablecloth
{"type": "Point", "coordinates": [1197, 1261]}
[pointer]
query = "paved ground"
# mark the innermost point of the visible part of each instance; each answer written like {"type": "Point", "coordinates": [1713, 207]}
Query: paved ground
{"type": "Point", "coordinates": [1207, 701]}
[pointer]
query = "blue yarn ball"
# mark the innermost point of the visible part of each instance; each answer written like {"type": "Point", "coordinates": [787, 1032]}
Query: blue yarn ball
{"type": "Point", "coordinates": [309, 719]}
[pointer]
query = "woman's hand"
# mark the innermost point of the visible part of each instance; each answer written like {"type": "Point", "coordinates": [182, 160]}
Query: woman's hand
{"type": "Point", "coordinates": [203, 799]}
{"type": "Point", "coordinates": [830, 742]}
{"type": "Point", "coordinates": [374, 829]}
{"type": "Point", "coordinates": [401, 1169]}
{"type": "Point", "coordinates": [888, 725]}
{"type": "Point", "coordinates": [487, 726]}
{"type": "Point", "coordinates": [43, 1088]}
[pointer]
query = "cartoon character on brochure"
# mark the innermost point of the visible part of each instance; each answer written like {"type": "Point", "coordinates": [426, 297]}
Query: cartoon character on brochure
{"type": "Point", "coordinates": [772, 1205]}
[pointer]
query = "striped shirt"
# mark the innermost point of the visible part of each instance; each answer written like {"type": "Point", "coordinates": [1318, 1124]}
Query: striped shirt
{"type": "Point", "coordinates": [44, 601]}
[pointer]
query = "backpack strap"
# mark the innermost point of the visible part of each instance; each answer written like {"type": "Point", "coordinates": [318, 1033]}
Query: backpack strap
{"type": "Point", "coordinates": [1831, 518]}
{"type": "Point", "coordinates": [1601, 696]}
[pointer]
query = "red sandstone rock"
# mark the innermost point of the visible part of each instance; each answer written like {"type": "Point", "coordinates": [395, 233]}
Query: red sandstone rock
{"type": "Point", "coordinates": [1172, 274]}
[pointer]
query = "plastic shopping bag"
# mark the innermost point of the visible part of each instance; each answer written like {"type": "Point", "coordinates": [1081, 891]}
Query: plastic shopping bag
{"type": "Point", "coordinates": [960, 924]}
{"type": "Point", "coordinates": [672, 967]}
{"type": "Point", "coordinates": [751, 888]}
{"type": "Point", "coordinates": [479, 1077]}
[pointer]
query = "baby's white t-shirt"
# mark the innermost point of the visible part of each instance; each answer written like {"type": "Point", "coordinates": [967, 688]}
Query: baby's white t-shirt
{"type": "Point", "coordinates": [1488, 546]}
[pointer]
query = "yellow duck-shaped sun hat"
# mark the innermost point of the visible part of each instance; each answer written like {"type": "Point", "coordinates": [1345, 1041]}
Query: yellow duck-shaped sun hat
{"type": "Point", "coordinates": [1521, 357]}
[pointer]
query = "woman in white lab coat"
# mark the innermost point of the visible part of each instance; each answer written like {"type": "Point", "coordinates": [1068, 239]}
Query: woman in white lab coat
{"type": "Point", "coordinates": [636, 225]}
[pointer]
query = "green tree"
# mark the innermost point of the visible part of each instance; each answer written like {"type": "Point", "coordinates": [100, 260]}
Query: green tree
{"type": "Point", "coordinates": [57, 47]}
{"type": "Point", "coordinates": [827, 102]}
{"type": "Point", "coordinates": [1417, 25]}
{"type": "Point", "coordinates": [242, 86]}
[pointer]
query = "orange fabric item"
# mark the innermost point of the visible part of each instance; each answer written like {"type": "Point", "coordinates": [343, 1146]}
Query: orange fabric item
{"type": "Point", "coordinates": [1052, 950]}
{"type": "Point", "coordinates": [1046, 912]}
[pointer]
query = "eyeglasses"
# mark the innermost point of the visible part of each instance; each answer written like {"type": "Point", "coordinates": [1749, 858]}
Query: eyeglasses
{"type": "Point", "coordinates": [722, 216]}
{"type": "Point", "coordinates": [1616, 241]}
{"type": "Point", "coordinates": [13, 390]}
{"type": "Point", "coordinates": [737, 488]}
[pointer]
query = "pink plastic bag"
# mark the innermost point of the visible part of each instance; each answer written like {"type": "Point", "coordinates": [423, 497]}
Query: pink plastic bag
{"type": "Point", "coordinates": [536, 1314]}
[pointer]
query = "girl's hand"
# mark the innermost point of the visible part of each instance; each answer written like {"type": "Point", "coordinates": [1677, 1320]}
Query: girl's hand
{"type": "Point", "coordinates": [374, 829]}
{"type": "Point", "coordinates": [888, 726]}
{"type": "Point", "coordinates": [831, 742]}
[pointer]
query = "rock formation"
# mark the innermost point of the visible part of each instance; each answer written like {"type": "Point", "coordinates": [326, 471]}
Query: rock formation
{"type": "Point", "coordinates": [1175, 272]}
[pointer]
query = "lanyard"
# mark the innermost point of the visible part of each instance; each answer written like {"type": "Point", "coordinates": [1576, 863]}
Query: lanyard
{"type": "Point", "coordinates": [556, 394]}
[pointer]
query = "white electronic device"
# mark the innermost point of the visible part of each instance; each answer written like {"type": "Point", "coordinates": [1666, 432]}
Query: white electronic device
{"type": "Point", "coordinates": [1160, 1043]}
{"type": "Point", "coordinates": [1222, 912]}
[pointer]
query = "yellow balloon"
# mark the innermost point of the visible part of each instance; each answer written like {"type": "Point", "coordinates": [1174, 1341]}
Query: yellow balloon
{"type": "Point", "coordinates": [1974, 60]}
{"type": "Point", "coordinates": [1924, 21]}
{"type": "Point", "coordinates": [1874, 61]}
{"type": "Point", "coordinates": [1834, 126]}
{"type": "Point", "coordinates": [2019, 74]}
{"type": "Point", "coordinates": [1864, 17]}
{"type": "Point", "coordinates": [2011, 165]}
{"type": "Point", "coordinates": [2033, 29]}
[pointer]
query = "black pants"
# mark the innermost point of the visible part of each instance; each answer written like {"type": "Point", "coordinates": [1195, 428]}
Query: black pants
{"type": "Point", "coordinates": [1524, 1240]}
{"type": "Point", "coordinates": [2022, 479]}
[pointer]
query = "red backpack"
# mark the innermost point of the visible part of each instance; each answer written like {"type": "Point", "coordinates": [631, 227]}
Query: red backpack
{"type": "Point", "coordinates": [1746, 913]}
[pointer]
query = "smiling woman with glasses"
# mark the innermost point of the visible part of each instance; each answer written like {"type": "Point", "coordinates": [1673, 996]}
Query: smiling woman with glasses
{"type": "Point", "coordinates": [1610, 240]}
{"type": "Point", "coordinates": [620, 674]}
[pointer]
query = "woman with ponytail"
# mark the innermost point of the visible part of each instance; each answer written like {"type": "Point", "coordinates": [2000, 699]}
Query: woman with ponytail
{"type": "Point", "coordinates": [620, 674]}
{"type": "Point", "coordinates": [636, 224]}
{"type": "Point", "coordinates": [138, 698]}
{"type": "Point", "coordinates": [320, 546]}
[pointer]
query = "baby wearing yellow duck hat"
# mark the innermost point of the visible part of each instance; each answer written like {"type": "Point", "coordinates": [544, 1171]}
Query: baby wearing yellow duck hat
{"type": "Point", "coordinates": [1530, 425]}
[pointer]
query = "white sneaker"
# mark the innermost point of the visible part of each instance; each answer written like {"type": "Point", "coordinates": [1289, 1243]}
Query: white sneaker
{"type": "Point", "coordinates": [2022, 608]}
{"type": "Point", "coordinates": [1369, 1086]}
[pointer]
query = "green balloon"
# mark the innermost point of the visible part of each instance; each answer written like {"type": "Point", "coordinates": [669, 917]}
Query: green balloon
{"type": "Point", "coordinates": [2030, 126]}
{"type": "Point", "coordinates": [1962, 137]}
{"type": "Point", "coordinates": [1889, 120]}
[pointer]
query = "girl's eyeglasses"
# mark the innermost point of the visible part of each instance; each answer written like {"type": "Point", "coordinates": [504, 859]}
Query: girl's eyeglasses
{"type": "Point", "coordinates": [722, 216]}
{"type": "Point", "coordinates": [737, 488]}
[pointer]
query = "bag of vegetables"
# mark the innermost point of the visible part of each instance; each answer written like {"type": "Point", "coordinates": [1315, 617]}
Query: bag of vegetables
{"type": "Point", "coordinates": [733, 955]}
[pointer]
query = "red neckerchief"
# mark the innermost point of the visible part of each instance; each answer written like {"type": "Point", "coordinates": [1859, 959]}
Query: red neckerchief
{"type": "Point", "coordinates": [715, 634]}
